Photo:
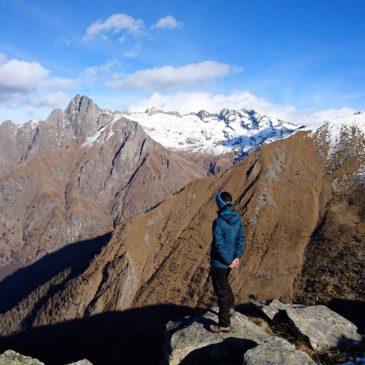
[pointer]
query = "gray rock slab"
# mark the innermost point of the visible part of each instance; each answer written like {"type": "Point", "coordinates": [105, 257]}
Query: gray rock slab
{"type": "Point", "coordinates": [11, 357]}
{"type": "Point", "coordinates": [322, 327]}
{"type": "Point", "coordinates": [276, 351]}
{"type": "Point", "coordinates": [189, 341]}
{"type": "Point", "coordinates": [272, 307]}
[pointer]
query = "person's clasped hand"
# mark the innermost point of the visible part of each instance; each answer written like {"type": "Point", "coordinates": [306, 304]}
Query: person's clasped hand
{"type": "Point", "coordinates": [235, 263]}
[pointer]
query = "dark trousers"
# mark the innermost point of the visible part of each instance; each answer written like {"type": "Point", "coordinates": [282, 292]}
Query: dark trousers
{"type": "Point", "coordinates": [223, 291]}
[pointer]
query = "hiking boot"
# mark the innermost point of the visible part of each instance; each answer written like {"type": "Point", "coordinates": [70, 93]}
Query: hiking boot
{"type": "Point", "coordinates": [216, 328]}
{"type": "Point", "coordinates": [231, 312]}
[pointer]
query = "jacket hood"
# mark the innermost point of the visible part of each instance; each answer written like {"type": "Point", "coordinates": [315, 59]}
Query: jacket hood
{"type": "Point", "coordinates": [229, 215]}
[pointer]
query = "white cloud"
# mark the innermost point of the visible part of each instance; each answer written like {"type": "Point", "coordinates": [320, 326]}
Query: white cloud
{"type": "Point", "coordinates": [167, 22]}
{"type": "Point", "coordinates": [116, 23]}
{"type": "Point", "coordinates": [328, 115]}
{"type": "Point", "coordinates": [53, 99]}
{"type": "Point", "coordinates": [195, 101]}
{"type": "Point", "coordinates": [171, 77]}
{"type": "Point", "coordinates": [186, 102]}
{"type": "Point", "coordinates": [22, 81]}
{"type": "Point", "coordinates": [20, 76]}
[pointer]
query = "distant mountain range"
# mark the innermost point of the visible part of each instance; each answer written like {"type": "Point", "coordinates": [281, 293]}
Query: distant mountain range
{"type": "Point", "coordinates": [239, 131]}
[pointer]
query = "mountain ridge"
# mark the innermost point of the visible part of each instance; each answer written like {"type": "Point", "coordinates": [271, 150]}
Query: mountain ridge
{"type": "Point", "coordinates": [203, 132]}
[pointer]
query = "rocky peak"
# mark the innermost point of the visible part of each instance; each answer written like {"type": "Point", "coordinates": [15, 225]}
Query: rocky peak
{"type": "Point", "coordinates": [228, 114]}
{"type": "Point", "coordinates": [202, 114]}
{"type": "Point", "coordinates": [81, 104]}
{"type": "Point", "coordinates": [85, 116]}
{"type": "Point", "coordinates": [7, 124]}
{"type": "Point", "coordinates": [224, 113]}
{"type": "Point", "coordinates": [153, 110]}
{"type": "Point", "coordinates": [56, 114]}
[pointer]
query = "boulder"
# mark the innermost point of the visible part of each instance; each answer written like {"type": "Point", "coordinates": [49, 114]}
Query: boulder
{"type": "Point", "coordinates": [272, 307]}
{"type": "Point", "coordinates": [276, 351]}
{"type": "Point", "coordinates": [190, 341]}
{"type": "Point", "coordinates": [13, 358]}
{"type": "Point", "coordinates": [321, 327]}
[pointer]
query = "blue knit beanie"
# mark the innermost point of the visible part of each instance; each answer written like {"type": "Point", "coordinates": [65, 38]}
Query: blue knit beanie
{"type": "Point", "coordinates": [220, 201]}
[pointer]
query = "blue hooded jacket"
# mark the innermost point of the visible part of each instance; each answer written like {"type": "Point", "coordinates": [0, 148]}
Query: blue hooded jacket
{"type": "Point", "coordinates": [228, 238]}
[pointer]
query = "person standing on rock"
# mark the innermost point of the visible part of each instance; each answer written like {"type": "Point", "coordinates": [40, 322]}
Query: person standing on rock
{"type": "Point", "coordinates": [227, 248]}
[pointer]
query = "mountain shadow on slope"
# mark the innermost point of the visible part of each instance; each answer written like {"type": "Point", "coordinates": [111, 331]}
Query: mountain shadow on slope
{"type": "Point", "coordinates": [134, 336]}
{"type": "Point", "coordinates": [75, 257]}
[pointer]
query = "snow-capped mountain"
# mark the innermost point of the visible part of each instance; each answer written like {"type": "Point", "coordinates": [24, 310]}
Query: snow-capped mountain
{"type": "Point", "coordinates": [229, 130]}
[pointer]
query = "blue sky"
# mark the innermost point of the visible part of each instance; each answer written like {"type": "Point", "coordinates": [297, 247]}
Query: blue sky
{"type": "Point", "coordinates": [294, 59]}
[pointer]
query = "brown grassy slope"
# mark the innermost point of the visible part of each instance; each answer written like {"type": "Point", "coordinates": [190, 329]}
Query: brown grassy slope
{"type": "Point", "coordinates": [334, 266]}
{"type": "Point", "coordinates": [277, 190]}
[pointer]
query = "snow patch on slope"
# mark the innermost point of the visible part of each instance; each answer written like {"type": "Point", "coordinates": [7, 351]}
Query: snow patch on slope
{"type": "Point", "coordinates": [337, 125]}
{"type": "Point", "coordinates": [100, 133]}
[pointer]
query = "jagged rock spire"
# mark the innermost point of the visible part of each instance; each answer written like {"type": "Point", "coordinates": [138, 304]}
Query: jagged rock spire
{"type": "Point", "coordinates": [80, 104]}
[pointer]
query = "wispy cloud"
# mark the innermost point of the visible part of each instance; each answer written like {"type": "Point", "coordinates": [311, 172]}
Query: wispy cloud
{"type": "Point", "coordinates": [167, 22]}
{"type": "Point", "coordinates": [171, 77]}
{"type": "Point", "coordinates": [52, 99]}
{"type": "Point", "coordinates": [99, 74]}
{"type": "Point", "coordinates": [116, 23]}
{"type": "Point", "coordinates": [58, 83]}
{"type": "Point", "coordinates": [133, 52]}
